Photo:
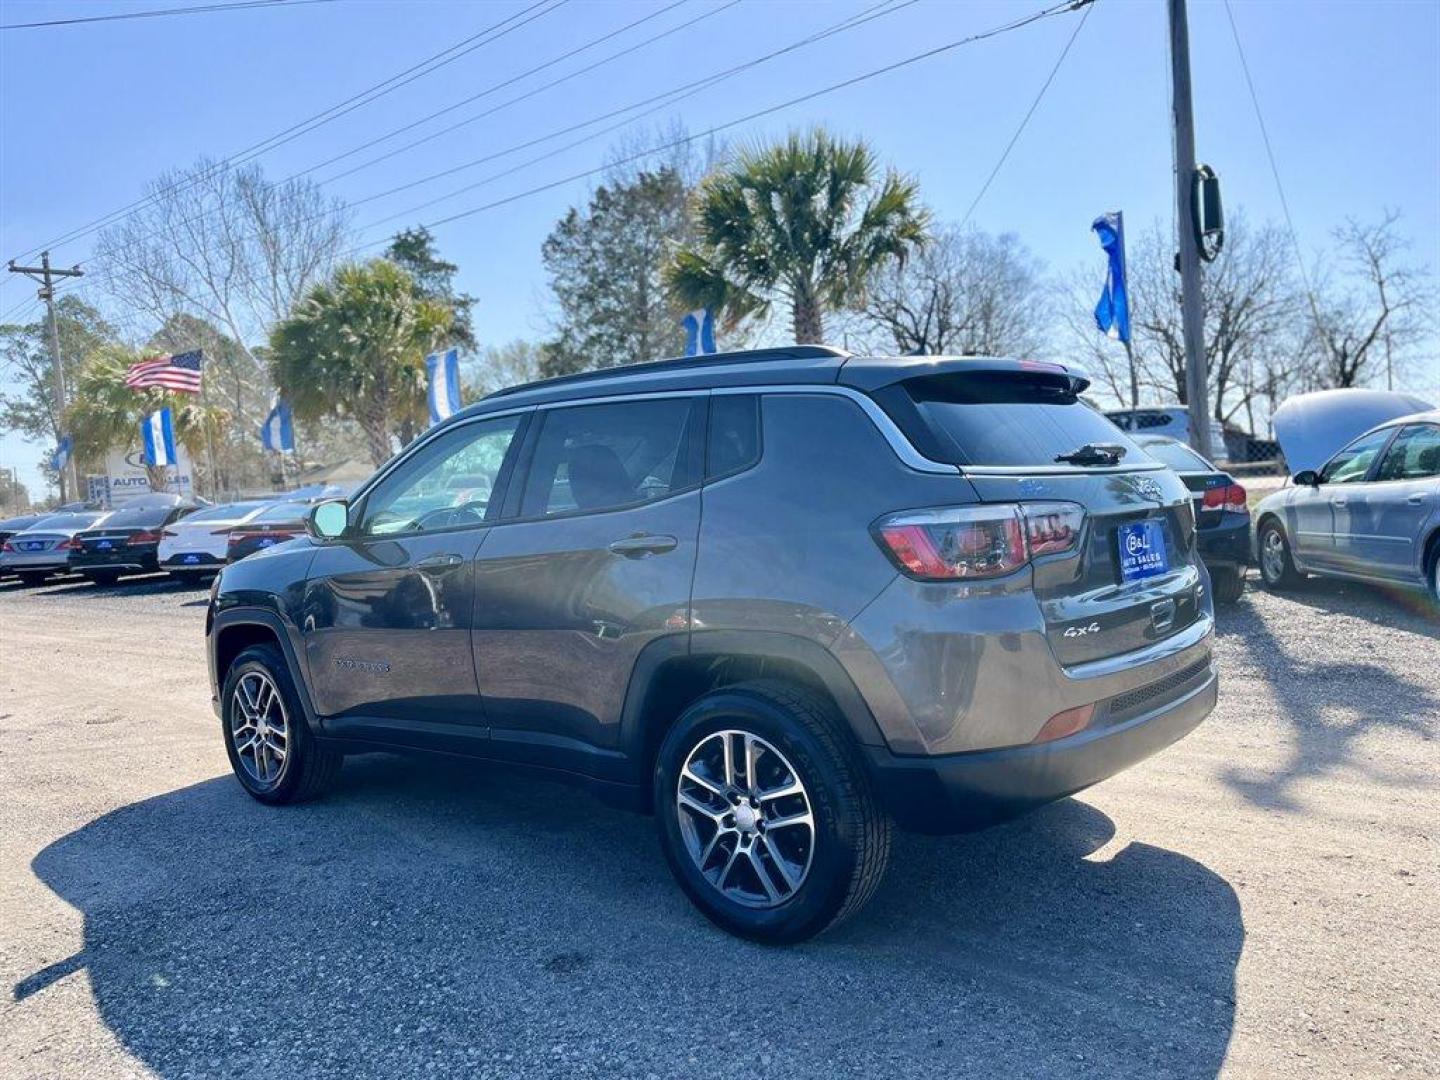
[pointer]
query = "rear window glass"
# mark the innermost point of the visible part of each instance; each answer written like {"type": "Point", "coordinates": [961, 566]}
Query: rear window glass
{"type": "Point", "coordinates": [1178, 457]}
{"type": "Point", "coordinates": [138, 515]}
{"type": "Point", "coordinates": [229, 512]}
{"type": "Point", "coordinates": [286, 511]}
{"type": "Point", "coordinates": [68, 521]}
{"type": "Point", "coordinates": [1009, 418]}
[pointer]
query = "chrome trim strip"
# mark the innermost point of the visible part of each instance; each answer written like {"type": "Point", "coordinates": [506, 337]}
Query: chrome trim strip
{"type": "Point", "coordinates": [1188, 638]}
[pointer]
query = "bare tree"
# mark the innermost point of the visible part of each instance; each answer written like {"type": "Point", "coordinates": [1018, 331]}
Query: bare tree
{"type": "Point", "coordinates": [1375, 309]}
{"type": "Point", "coordinates": [964, 292]}
{"type": "Point", "coordinates": [1254, 332]}
{"type": "Point", "coordinates": [499, 366]}
{"type": "Point", "coordinates": [222, 244]}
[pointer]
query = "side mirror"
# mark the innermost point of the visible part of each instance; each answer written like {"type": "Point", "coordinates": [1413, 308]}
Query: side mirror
{"type": "Point", "coordinates": [327, 520]}
{"type": "Point", "coordinates": [1308, 477]}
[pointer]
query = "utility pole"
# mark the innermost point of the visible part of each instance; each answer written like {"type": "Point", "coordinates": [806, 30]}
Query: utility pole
{"type": "Point", "coordinates": [1192, 313]}
{"type": "Point", "coordinates": [45, 274]}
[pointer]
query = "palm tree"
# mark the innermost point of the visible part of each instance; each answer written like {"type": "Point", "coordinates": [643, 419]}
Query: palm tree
{"type": "Point", "coordinates": [355, 346]}
{"type": "Point", "coordinates": [807, 221]}
{"type": "Point", "coordinates": [105, 413]}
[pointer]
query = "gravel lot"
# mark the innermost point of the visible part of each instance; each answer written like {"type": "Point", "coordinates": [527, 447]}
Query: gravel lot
{"type": "Point", "coordinates": [1261, 900]}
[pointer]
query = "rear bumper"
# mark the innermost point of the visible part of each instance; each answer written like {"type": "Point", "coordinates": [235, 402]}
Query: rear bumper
{"type": "Point", "coordinates": [192, 561]}
{"type": "Point", "coordinates": [119, 559]}
{"type": "Point", "coordinates": [24, 561]}
{"type": "Point", "coordinates": [964, 792]}
{"type": "Point", "coordinates": [1226, 544]}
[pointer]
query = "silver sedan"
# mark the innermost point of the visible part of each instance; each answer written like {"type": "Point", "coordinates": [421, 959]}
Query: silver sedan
{"type": "Point", "coordinates": [1371, 512]}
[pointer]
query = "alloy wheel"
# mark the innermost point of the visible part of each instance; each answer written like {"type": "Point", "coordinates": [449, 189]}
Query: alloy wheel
{"type": "Point", "coordinates": [746, 818]}
{"type": "Point", "coordinates": [260, 727]}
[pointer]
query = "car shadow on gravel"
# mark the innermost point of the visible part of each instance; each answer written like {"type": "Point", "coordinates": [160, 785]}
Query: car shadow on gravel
{"type": "Point", "coordinates": [1331, 699]}
{"type": "Point", "coordinates": [439, 919]}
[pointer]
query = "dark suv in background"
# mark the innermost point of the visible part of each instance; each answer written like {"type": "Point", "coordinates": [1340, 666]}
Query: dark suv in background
{"type": "Point", "coordinates": [781, 599]}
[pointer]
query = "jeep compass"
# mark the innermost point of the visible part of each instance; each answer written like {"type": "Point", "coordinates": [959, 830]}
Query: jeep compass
{"type": "Point", "coordinates": [784, 600]}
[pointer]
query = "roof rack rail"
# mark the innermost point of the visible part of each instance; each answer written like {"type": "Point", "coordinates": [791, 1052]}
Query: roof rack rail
{"type": "Point", "coordinates": [746, 356]}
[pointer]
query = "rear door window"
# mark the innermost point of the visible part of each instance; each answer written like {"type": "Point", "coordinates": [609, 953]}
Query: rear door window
{"type": "Point", "coordinates": [734, 438]}
{"type": "Point", "coordinates": [1414, 455]}
{"type": "Point", "coordinates": [589, 458]}
{"type": "Point", "coordinates": [1002, 418]}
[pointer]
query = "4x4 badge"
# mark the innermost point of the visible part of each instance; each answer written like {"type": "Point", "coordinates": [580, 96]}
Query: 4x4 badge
{"type": "Point", "coordinates": [1081, 631]}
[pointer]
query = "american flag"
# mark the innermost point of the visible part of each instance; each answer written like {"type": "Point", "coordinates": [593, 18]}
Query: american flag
{"type": "Point", "coordinates": [180, 372]}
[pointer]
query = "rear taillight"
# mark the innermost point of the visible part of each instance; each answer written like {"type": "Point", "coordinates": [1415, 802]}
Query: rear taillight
{"type": "Point", "coordinates": [1232, 495]}
{"type": "Point", "coordinates": [7, 546]}
{"type": "Point", "coordinates": [144, 538]}
{"type": "Point", "coordinates": [70, 545]}
{"type": "Point", "coordinates": [1052, 528]}
{"type": "Point", "coordinates": [169, 532]}
{"type": "Point", "coordinates": [970, 542]}
{"type": "Point", "coordinates": [234, 537]}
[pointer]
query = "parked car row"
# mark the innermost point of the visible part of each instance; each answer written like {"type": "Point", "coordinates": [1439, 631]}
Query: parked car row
{"type": "Point", "coordinates": [185, 538]}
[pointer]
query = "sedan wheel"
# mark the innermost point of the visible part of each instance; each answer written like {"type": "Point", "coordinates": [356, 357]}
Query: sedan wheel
{"type": "Point", "coordinates": [1277, 569]}
{"type": "Point", "coordinates": [745, 817]}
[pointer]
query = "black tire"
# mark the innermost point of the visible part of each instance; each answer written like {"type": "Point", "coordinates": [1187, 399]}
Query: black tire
{"type": "Point", "coordinates": [1228, 582]}
{"type": "Point", "coordinates": [103, 578]}
{"type": "Point", "coordinates": [309, 767]}
{"type": "Point", "coordinates": [1285, 576]}
{"type": "Point", "coordinates": [1432, 564]}
{"type": "Point", "coordinates": [851, 832]}
{"type": "Point", "coordinates": [30, 579]}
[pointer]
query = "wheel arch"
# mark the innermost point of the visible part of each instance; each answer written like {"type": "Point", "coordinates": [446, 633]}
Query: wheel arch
{"type": "Point", "coordinates": [671, 674]}
{"type": "Point", "coordinates": [237, 629]}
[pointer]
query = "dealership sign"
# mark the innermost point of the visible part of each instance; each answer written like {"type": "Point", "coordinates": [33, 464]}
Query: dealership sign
{"type": "Point", "coordinates": [125, 477]}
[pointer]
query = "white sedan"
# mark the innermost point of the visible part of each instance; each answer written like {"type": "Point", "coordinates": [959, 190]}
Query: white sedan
{"type": "Point", "coordinates": [198, 545]}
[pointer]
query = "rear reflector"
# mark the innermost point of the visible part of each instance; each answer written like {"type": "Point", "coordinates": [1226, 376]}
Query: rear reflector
{"type": "Point", "coordinates": [1065, 723]}
{"type": "Point", "coordinates": [963, 543]}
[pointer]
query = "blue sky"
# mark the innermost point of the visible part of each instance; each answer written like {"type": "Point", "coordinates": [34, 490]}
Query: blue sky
{"type": "Point", "coordinates": [1350, 91]}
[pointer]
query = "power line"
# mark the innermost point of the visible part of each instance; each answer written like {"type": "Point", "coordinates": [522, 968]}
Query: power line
{"type": "Point", "coordinates": [666, 99]}
{"type": "Point", "coordinates": [364, 97]}
{"type": "Point", "coordinates": [1004, 154]}
{"type": "Point", "coordinates": [927, 54]}
{"type": "Point", "coordinates": [1275, 172]}
{"type": "Point", "coordinates": [510, 101]}
{"type": "Point", "coordinates": [198, 9]}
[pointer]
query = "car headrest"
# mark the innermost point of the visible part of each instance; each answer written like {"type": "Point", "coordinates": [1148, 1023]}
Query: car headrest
{"type": "Point", "coordinates": [597, 478]}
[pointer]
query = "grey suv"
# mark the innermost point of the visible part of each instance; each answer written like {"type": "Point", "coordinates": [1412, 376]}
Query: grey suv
{"type": "Point", "coordinates": [781, 599]}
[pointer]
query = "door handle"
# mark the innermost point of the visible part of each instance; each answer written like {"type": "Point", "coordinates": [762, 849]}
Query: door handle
{"type": "Point", "coordinates": [435, 563]}
{"type": "Point", "coordinates": [1337, 502]}
{"type": "Point", "coordinates": [1417, 499]}
{"type": "Point", "coordinates": [637, 547]}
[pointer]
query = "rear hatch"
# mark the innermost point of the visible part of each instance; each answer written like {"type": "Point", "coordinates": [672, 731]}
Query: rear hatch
{"type": "Point", "coordinates": [1133, 578]}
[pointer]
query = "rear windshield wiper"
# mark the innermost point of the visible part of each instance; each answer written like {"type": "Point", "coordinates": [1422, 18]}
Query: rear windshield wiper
{"type": "Point", "coordinates": [1094, 454]}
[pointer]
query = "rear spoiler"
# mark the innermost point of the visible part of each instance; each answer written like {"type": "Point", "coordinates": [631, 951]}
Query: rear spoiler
{"type": "Point", "coordinates": [870, 373]}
